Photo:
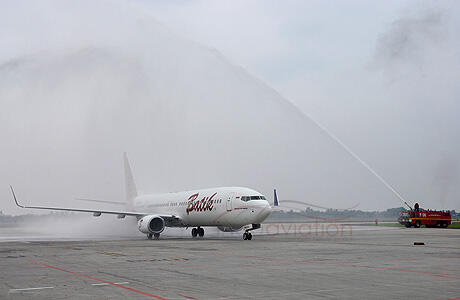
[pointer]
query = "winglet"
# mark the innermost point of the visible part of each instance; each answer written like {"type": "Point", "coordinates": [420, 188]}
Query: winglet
{"type": "Point", "coordinates": [14, 196]}
{"type": "Point", "coordinates": [275, 199]}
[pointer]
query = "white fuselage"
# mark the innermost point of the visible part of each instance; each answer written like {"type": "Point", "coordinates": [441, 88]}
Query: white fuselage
{"type": "Point", "coordinates": [221, 206]}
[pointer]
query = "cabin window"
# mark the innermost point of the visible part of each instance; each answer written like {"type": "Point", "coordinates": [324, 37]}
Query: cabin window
{"type": "Point", "coordinates": [248, 198]}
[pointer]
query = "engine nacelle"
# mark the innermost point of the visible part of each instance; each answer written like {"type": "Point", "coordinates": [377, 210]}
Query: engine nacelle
{"type": "Point", "coordinates": [151, 224]}
{"type": "Point", "coordinates": [229, 228]}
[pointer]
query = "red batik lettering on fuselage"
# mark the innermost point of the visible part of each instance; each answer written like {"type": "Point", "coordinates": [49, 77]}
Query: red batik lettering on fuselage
{"type": "Point", "coordinates": [204, 204]}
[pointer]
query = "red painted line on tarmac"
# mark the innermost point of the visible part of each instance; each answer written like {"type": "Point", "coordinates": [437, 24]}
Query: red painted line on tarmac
{"type": "Point", "coordinates": [97, 279]}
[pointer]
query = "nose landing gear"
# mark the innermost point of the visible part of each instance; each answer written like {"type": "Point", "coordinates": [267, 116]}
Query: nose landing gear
{"type": "Point", "coordinates": [247, 236]}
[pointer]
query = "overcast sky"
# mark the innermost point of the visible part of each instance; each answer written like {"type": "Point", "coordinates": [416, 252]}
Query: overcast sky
{"type": "Point", "coordinates": [383, 76]}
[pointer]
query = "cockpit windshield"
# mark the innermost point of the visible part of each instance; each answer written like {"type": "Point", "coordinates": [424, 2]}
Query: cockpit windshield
{"type": "Point", "coordinates": [249, 198]}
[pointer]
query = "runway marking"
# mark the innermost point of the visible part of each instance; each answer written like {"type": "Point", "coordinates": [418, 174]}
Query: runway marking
{"type": "Point", "coordinates": [186, 297]}
{"type": "Point", "coordinates": [97, 279]}
{"type": "Point", "coordinates": [331, 290]}
{"type": "Point", "coordinates": [101, 284]}
{"type": "Point", "coordinates": [112, 253]}
{"type": "Point", "coordinates": [342, 265]}
{"type": "Point", "coordinates": [30, 289]}
{"type": "Point", "coordinates": [158, 259]}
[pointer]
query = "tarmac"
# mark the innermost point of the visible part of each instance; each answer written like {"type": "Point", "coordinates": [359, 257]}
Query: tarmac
{"type": "Point", "coordinates": [282, 261]}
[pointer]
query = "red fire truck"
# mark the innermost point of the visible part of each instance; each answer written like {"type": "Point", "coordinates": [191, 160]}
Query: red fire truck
{"type": "Point", "coordinates": [430, 218]}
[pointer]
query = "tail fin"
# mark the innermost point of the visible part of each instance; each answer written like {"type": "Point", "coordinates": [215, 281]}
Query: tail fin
{"type": "Point", "coordinates": [275, 198]}
{"type": "Point", "coordinates": [130, 186]}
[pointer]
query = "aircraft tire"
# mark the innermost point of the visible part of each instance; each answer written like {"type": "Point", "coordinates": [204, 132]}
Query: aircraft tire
{"type": "Point", "coordinates": [194, 232]}
{"type": "Point", "coordinates": [200, 232]}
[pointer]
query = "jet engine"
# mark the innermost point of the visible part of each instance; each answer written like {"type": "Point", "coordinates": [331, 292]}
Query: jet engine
{"type": "Point", "coordinates": [229, 228]}
{"type": "Point", "coordinates": [151, 224]}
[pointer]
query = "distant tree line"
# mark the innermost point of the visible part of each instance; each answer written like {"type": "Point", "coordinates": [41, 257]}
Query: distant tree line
{"type": "Point", "coordinates": [307, 214]}
{"type": "Point", "coordinates": [336, 214]}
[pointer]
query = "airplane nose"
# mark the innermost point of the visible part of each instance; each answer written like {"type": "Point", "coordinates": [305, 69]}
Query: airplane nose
{"type": "Point", "coordinates": [267, 206]}
{"type": "Point", "coordinates": [264, 211]}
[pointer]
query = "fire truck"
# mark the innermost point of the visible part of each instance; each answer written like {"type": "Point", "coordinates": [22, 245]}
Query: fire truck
{"type": "Point", "coordinates": [430, 218]}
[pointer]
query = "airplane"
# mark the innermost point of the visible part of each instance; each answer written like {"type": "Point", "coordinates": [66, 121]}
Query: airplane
{"type": "Point", "coordinates": [227, 208]}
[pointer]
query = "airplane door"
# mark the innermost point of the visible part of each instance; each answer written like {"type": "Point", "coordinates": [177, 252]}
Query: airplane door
{"type": "Point", "coordinates": [230, 201]}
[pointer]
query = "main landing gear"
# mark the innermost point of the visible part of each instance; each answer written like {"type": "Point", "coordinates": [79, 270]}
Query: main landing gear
{"type": "Point", "coordinates": [156, 236]}
{"type": "Point", "coordinates": [197, 232]}
{"type": "Point", "coordinates": [247, 236]}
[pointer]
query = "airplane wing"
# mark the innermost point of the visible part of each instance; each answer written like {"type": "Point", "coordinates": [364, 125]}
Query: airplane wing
{"type": "Point", "coordinates": [100, 201]}
{"type": "Point", "coordinates": [171, 220]}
